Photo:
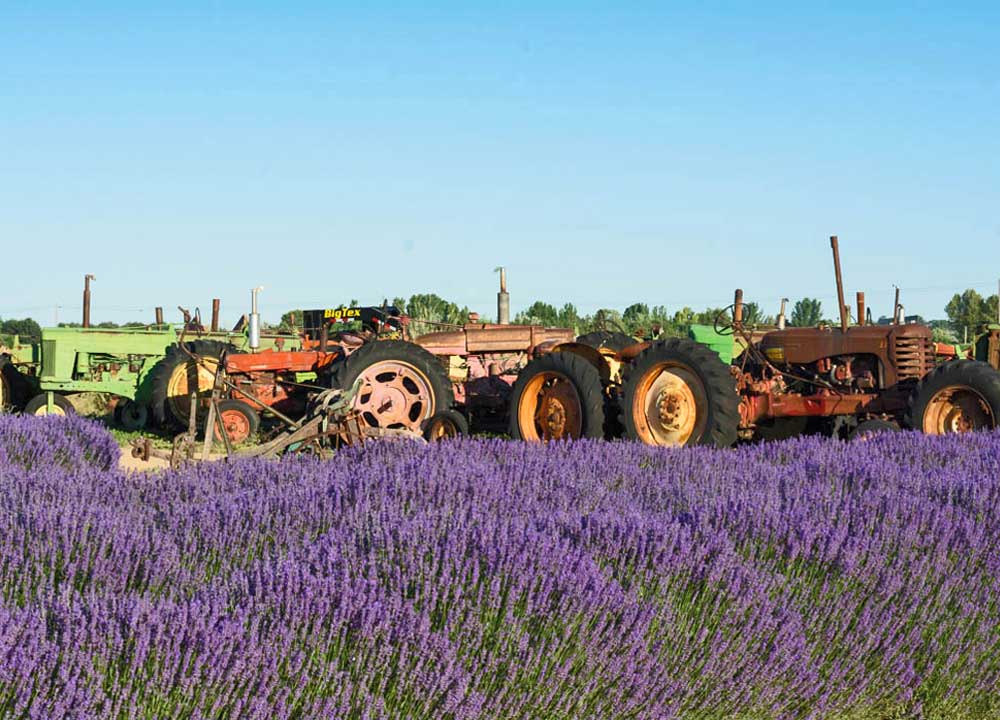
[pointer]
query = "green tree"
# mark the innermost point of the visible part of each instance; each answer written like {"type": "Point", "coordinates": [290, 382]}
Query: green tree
{"type": "Point", "coordinates": [428, 312]}
{"type": "Point", "coordinates": [807, 312]}
{"type": "Point", "coordinates": [25, 327]}
{"type": "Point", "coordinates": [968, 310]}
{"type": "Point", "coordinates": [538, 313]}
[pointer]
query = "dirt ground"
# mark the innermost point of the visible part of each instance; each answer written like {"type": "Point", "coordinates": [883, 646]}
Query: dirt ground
{"type": "Point", "coordinates": [131, 464]}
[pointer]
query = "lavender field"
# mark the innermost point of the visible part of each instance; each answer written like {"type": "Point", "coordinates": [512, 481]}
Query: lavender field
{"type": "Point", "coordinates": [489, 579]}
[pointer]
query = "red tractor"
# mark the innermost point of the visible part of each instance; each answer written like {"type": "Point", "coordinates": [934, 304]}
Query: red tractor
{"type": "Point", "coordinates": [845, 380]}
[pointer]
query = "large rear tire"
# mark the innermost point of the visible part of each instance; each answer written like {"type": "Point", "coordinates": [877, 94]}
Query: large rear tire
{"type": "Point", "coordinates": [959, 396]}
{"type": "Point", "coordinates": [175, 375]}
{"type": "Point", "coordinates": [558, 396]}
{"type": "Point", "coordinates": [679, 392]}
{"type": "Point", "coordinates": [402, 385]}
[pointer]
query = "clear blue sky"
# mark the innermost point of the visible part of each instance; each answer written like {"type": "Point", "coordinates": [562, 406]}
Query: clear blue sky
{"type": "Point", "coordinates": [605, 153]}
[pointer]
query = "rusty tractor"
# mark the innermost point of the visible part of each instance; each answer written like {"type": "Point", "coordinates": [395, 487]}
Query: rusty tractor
{"type": "Point", "coordinates": [846, 380]}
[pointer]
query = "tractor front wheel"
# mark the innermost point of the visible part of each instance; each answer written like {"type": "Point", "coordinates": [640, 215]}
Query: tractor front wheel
{"type": "Point", "coordinates": [240, 421]}
{"type": "Point", "coordinates": [558, 396]}
{"type": "Point", "coordinates": [131, 415]}
{"type": "Point", "coordinates": [959, 396]}
{"type": "Point", "coordinates": [445, 425]}
{"type": "Point", "coordinates": [679, 392]}
{"type": "Point", "coordinates": [39, 405]}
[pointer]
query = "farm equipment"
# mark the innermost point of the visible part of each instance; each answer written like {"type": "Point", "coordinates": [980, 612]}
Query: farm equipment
{"type": "Point", "coordinates": [328, 424]}
{"type": "Point", "coordinates": [846, 380]}
{"type": "Point", "coordinates": [144, 367]}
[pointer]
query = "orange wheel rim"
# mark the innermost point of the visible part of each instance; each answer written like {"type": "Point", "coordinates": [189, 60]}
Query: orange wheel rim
{"type": "Point", "coordinates": [549, 409]}
{"type": "Point", "coordinates": [670, 406]}
{"type": "Point", "coordinates": [236, 425]}
{"type": "Point", "coordinates": [441, 429]}
{"type": "Point", "coordinates": [957, 409]}
{"type": "Point", "coordinates": [394, 394]}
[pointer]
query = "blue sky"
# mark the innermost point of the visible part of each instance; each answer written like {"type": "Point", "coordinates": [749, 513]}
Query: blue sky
{"type": "Point", "coordinates": [606, 153]}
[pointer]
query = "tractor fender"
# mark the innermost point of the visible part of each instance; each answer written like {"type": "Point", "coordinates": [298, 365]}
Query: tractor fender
{"type": "Point", "coordinates": [600, 360]}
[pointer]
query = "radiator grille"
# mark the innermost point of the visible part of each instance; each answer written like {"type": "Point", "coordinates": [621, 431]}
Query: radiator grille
{"type": "Point", "coordinates": [914, 358]}
{"type": "Point", "coordinates": [48, 358]}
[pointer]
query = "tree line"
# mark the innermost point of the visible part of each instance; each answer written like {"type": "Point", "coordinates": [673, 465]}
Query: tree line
{"type": "Point", "coordinates": [966, 311]}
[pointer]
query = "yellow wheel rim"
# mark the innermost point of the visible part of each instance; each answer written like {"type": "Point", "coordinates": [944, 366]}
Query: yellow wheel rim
{"type": "Point", "coordinates": [183, 380]}
{"type": "Point", "coordinates": [670, 406]}
{"type": "Point", "coordinates": [44, 410]}
{"type": "Point", "coordinates": [957, 409]}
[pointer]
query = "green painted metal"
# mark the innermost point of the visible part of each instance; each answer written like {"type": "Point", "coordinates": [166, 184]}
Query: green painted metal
{"type": "Point", "coordinates": [706, 335]}
{"type": "Point", "coordinates": [116, 361]}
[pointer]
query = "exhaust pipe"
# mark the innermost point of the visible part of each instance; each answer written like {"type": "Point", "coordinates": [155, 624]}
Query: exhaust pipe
{"type": "Point", "coordinates": [159, 316]}
{"type": "Point", "coordinates": [861, 308]}
{"type": "Point", "coordinates": [840, 283]}
{"type": "Point", "coordinates": [503, 300]}
{"type": "Point", "coordinates": [254, 332]}
{"type": "Point", "coordinates": [781, 315]}
{"type": "Point", "coordinates": [738, 310]}
{"type": "Point", "coordinates": [215, 315]}
{"type": "Point", "coordinates": [86, 299]}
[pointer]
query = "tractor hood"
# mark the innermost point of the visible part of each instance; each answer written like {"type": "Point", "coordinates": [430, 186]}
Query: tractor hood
{"type": "Point", "coordinates": [482, 338]}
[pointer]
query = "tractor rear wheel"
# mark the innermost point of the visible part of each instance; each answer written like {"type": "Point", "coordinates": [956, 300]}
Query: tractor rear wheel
{"type": "Point", "coordinates": [679, 392]}
{"type": "Point", "coordinates": [39, 405]}
{"type": "Point", "coordinates": [959, 396]}
{"type": "Point", "coordinates": [402, 384]}
{"type": "Point", "coordinates": [558, 396]}
{"type": "Point", "coordinates": [6, 398]}
{"type": "Point", "coordinates": [177, 374]}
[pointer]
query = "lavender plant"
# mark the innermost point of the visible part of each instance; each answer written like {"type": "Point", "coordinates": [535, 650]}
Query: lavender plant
{"type": "Point", "coordinates": [489, 579]}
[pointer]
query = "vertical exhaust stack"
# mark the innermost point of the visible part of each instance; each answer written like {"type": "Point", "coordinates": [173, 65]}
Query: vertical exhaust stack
{"type": "Point", "coordinates": [86, 299]}
{"type": "Point", "coordinates": [254, 320]}
{"type": "Point", "coordinates": [896, 316]}
{"type": "Point", "coordinates": [159, 316]}
{"type": "Point", "coordinates": [840, 283]}
{"type": "Point", "coordinates": [215, 315]}
{"type": "Point", "coordinates": [861, 308]}
{"type": "Point", "coordinates": [781, 315]}
{"type": "Point", "coordinates": [738, 310]}
{"type": "Point", "coordinates": [503, 300]}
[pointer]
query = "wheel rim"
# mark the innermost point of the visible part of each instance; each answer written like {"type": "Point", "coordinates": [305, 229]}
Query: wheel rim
{"type": "Point", "coordinates": [550, 409]}
{"type": "Point", "coordinates": [236, 425]}
{"type": "Point", "coordinates": [182, 380]}
{"type": "Point", "coordinates": [44, 410]}
{"type": "Point", "coordinates": [670, 405]}
{"type": "Point", "coordinates": [394, 394]}
{"type": "Point", "coordinates": [441, 428]}
{"type": "Point", "coordinates": [957, 409]}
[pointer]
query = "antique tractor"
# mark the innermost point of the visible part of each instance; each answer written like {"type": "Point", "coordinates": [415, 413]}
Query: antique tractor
{"type": "Point", "coordinates": [845, 380]}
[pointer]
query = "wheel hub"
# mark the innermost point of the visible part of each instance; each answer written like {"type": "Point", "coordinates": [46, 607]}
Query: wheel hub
{"type": "Point", "coordinates": [957, 410]}
{"type": "Point", "coordinates": [395, 394]}
{"type": "Point", "coordinates": [670, 406]}
{"type": "Point", "coordinates": [550, 408]}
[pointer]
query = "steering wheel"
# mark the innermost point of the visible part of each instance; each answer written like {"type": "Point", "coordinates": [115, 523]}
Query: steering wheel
{"type": "Point", "coordinates": [723, 324]}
